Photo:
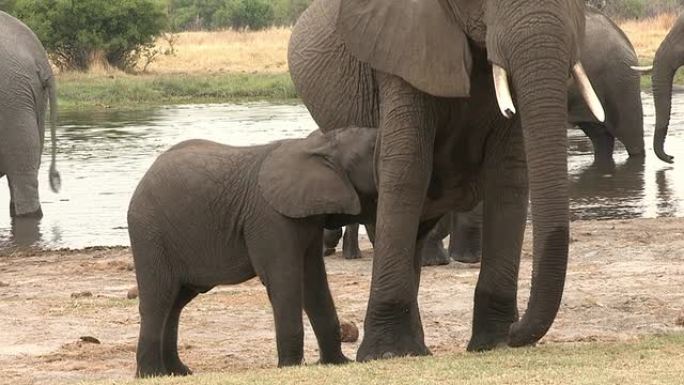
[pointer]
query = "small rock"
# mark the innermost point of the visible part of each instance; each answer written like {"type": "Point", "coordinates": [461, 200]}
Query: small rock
{"type": "Point", "coordinates": [132, 293]}
{"type": "Point", "coordinates": [348, 331]}
{"type": "Point", "coordinates": [90, 340]}
{"type": "Point", "coordinates": [680, 319]}
{"type": "Point", "coordinates": [81, 294]}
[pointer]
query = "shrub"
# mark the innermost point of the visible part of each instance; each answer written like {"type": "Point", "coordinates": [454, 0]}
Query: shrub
{"type": "Point", "coordinates": [76, 32]}
{"type": "Point", "coordinates": [7, 5]}
{"type": "Point", "coordinates": [235, 14]}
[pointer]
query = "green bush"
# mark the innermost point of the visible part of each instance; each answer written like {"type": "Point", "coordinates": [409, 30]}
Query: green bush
{"type": "Point", "coordinates": [7, 5]}
{"type": "Point", "coordinates": [75, 32]}
{"type": "Point", "coordinates": [236, 14]}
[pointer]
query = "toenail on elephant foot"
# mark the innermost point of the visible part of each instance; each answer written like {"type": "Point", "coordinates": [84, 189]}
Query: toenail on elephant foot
{"type": "Point", "coordinates": [180, 370]}
{"type": "Point", "coordinates": [372, 349]}
{"type": "Point", "coordinates": [328, 251]}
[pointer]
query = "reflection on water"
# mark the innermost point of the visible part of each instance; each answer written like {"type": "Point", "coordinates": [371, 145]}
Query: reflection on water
{"type": "Point", "coordinates": [103, 154]}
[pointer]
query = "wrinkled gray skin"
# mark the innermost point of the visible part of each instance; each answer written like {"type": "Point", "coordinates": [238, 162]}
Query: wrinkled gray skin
{"type": "Point", "coordinates": [420, 72]}
{"type": "Point", "coordinates": [26, 85]}
{"type": "Point", "coordinates": [607, 55]}
{"type": "Point", "coordinates": [270, 204]}
{"type": "Point", "coordinates": [668, 58]}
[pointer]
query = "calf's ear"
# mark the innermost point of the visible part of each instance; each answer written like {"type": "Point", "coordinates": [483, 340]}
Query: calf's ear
{"type": "Point", "coordinates": [299, 178]}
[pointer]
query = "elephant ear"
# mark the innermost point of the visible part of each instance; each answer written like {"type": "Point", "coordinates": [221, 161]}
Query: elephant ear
{"type": "Point", "coordinates": [299, 179]}
{"type": "Point", "coordinates": [416, 40]}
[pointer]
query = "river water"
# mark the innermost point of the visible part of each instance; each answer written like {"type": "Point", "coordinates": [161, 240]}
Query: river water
{"type": "Point", "coordinates": [103, 154]}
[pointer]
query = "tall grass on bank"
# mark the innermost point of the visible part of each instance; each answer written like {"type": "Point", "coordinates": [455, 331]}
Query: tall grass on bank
{"type": "Point", "coordinates": [225, 51]}
{"type": "Point", "coordinates": [651, 360]}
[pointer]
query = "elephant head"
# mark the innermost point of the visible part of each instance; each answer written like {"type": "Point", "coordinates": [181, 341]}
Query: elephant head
{"type": "Point", "coordinates": [532, 47]}
{"type": "Point", "coordinates": [668, 58]}
{"type": "Point", "coordinates": [329, 173]}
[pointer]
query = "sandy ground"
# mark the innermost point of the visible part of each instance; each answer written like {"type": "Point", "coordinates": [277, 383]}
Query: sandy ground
{"type": "Point", "coordinates": [625, 279]}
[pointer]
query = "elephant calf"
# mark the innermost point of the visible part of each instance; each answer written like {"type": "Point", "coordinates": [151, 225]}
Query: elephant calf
{"type": "Point", "coordinates": [207, 214]}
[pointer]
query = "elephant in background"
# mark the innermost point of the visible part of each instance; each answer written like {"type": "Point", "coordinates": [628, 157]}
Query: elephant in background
{"type": "Point", "coordinates": [611, 65]}
{"type": "Point", "coordinates": [668, 58]}
{"type": "Point", "coordinates": [470, 101]}
{"type": "Point", "coordinates": [26, 85]}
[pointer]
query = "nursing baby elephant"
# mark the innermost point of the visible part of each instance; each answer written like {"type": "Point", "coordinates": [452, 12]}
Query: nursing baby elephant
{"type": "Point", "coordinates": [26, 85]}
{"type": "Point", "coordinates": [207, 214]}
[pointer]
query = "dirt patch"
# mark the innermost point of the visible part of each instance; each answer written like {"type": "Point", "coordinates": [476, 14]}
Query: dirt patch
{"type": "Point", "coordinates": [624, 279]}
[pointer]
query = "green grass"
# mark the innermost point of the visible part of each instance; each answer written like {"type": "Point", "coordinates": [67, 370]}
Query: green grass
{"type": "Point", "coordinates": [650, 360]}
{"type": "Point", "coordinates": [82, 91]}
{"type": "Point", "coordinates": [646, 84]}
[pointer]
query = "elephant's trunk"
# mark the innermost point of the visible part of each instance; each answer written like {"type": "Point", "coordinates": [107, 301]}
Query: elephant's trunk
{"type": "Point", "coordinates": [664, 68]}
{"type": "Point", "coordinates": [539, 68]}
{"type": "Point", "coordinates": [55, 179]}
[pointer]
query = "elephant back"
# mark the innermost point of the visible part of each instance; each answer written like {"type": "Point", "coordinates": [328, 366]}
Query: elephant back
{"type": "Point", "coordinates": [339, 90]}
{"type": "Point", "coordinates": [21, 50]}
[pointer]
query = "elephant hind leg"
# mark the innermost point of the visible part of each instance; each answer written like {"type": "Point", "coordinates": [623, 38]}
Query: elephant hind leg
{"type": "Point", "coordinates": [433, 252]}
{"type": "Point", "coordinates": [172, 361]}
{"type": "Point", "coordinates": [350, 243]}
{"type": "Point", "coordinates": [160, 296]}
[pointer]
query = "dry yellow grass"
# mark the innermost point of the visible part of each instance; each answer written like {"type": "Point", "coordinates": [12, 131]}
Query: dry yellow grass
{"type": "Point", "coordinates": [225, 51]}
{"type": "Point", "coordinates": [266, 51]}
{"type": "Point", "coordinates": [647, 34]}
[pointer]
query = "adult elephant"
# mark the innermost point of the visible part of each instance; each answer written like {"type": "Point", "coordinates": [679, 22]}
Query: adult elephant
{"type": "Point", "coordinates": [429, 75]}
{"type": "Point", "coordinates": [26, 85]}
{"type": "Point", "coordinates": [668, 58]}
{"type": "Point", "coordinates": [611, 65]}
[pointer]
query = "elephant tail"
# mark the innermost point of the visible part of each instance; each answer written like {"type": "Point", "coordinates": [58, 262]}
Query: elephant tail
{"type": "Point", "coordinates": [55, 179]}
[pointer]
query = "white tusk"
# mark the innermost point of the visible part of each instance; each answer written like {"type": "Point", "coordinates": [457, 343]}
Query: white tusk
{"type": "Point", "coordinates": [588, 93]}
{"type": "Point", "coordinates": [503, 91]}
{"type": "Point", "coordinates": [642, 69]}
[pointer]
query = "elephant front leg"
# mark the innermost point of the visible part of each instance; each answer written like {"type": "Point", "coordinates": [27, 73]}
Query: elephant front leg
{"type": "Point", "coordinates": [602, 141]}
{"type": "Point", "coordinates": [320, 308]}
{"type": "Point", "coordinates": [404, 162]}
{"type": "Point", "coordinates": [505, 214]}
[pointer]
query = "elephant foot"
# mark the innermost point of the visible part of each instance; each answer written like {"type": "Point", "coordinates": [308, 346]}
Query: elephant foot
{"type": "Point", "coordinates": [381, 349]}
{"type": "Point", "coordinates": [328, 251]}
{"type": "Point", "coordinates": [434, 254]}
{"type": "Point", "coordinates": [179, 370]}
{"type": "Point", "coordinates": [352, 254]}
{"type": "Point", "coordinates": [467, 257]}
{"type": "Point", "coordinates": [399, 333]}
{"type": "Point", "coordinates": [485, 341]}
{"type": "Point", "coordinates": [144, 371]}
{"type": "Point", "coordinates": [336, 359]}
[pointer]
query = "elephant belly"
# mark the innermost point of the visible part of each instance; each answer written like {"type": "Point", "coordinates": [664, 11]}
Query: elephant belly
{"type": "Point", "coordinates": [225, 266]}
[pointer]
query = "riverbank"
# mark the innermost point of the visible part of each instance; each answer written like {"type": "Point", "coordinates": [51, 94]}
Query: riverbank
{"type": "Point", "coordinates": [623, 293]}
{"type": "Point", "coordinates": [125, 91]}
